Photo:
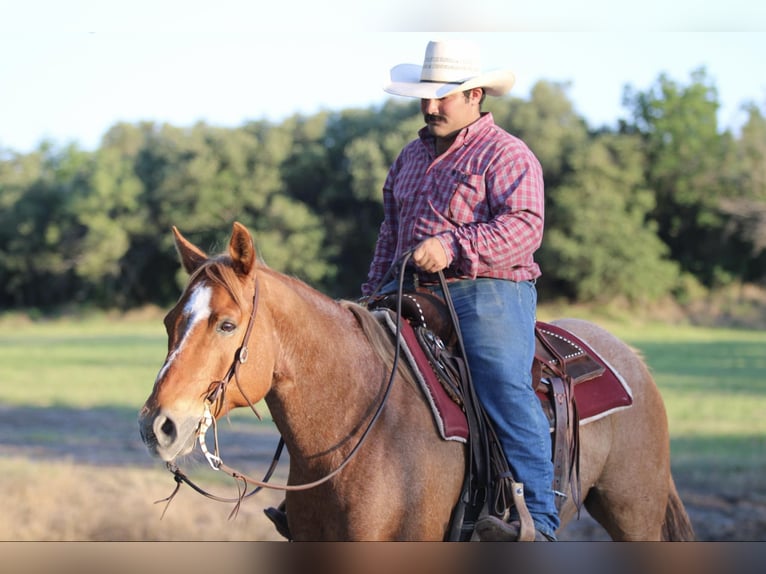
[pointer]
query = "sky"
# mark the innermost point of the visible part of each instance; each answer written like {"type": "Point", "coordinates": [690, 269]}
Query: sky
{"type": "Point", "coordinates": [71, 69]}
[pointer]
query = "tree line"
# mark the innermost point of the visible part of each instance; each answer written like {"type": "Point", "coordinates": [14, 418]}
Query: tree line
{"type": "Point", "coordinates": [663, 204]}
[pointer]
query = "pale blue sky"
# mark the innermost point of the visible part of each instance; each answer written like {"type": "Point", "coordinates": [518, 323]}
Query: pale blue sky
{"type": "Point", "coordinates": [70, 69]}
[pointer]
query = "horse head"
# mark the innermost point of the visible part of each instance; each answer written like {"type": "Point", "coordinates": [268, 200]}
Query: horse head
{"type": "Point", "coordinates": [207, 368]}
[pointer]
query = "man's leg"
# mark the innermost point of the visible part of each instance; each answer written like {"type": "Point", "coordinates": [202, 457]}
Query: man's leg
{"type": "Point", "coordinates": [497, 321]}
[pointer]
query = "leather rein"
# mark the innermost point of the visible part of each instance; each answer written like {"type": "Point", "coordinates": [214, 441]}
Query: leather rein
{"type": "Point", "coordinates": [217, 394]}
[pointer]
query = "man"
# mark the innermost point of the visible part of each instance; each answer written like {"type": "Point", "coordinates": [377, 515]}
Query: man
{"type": "Point", "coordinates": [468, 198]}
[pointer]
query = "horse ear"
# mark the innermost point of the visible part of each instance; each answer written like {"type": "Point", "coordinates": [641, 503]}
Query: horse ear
{"type": "Point", "coordinates": [242, 249]}
{"type": "Point", "coordinates": [191, 256]}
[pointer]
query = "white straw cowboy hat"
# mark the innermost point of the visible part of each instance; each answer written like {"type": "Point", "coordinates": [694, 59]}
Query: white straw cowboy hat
{"type": "Point", "coordinates": [449, 66]}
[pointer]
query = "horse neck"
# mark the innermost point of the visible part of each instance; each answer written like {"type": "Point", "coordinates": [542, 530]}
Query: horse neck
{"type": "Point", "coordinates": [327, 378]}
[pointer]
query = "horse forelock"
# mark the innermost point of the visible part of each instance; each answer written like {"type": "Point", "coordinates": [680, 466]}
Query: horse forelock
{"type": "Point", "coordinates": [215, 271]}
{"type": "Point", "coordinates": [219, 271]}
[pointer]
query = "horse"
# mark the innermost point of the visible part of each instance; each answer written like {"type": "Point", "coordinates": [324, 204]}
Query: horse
{"type": "Point", "coordinates": [323, 365]}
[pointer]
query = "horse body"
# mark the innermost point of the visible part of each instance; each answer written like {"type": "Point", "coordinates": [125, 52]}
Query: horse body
{"type": "Point", "coordinates": [321, 366]}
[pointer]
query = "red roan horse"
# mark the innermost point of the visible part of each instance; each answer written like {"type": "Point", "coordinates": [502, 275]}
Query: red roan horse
{"type": "Point", "coordinates": [318, 364]}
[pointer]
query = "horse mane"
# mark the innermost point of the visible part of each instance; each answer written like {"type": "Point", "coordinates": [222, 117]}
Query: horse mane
{"type": "Point", "coordinates": [380, 339]}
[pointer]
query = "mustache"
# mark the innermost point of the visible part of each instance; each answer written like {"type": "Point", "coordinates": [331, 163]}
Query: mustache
{"type": "Point", "coordinates": [431, 117]}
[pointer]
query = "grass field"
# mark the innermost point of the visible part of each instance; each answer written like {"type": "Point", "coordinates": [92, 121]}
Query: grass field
{"type": "Point", "coordinates": [713, 382]}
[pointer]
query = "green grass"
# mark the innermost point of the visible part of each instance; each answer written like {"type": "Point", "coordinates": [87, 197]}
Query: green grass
{"type": "Point", "coordinates": [79, 363]}
{"type": "Point", "coordinates": [713, 380]}
{"type": "Point", "coordinates": [95, 361]}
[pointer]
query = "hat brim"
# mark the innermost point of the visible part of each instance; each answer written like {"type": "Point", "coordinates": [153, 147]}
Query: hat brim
{"type": "Point", "coordinates": [405, 81]}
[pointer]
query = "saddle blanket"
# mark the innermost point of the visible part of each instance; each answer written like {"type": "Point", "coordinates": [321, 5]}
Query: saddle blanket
{"type": "Point", "coordinates": [595, 398]}
{"type": "Point", "coordinates": [448, 415]}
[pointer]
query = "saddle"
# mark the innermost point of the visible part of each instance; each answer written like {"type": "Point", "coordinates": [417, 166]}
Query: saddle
{"type": "Point", "coordinates": [560, 363]}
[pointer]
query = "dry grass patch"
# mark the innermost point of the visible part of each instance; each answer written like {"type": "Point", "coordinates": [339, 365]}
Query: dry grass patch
{"type": "Point", "coordinates": [62, 501]}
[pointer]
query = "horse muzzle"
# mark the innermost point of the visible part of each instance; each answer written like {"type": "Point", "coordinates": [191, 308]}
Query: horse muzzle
{"type": "Point", "coordinates": [167, 435]}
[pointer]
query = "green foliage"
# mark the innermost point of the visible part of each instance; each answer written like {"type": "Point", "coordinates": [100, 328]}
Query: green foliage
{"type": "Point", "coordinates": [661, 203]}
{"type": "Point", "coordinates": [367, 168]}
{"type": "Point", "coordinates": [602, 246]}
{"type": "Point", "coordinates": [548, 124]}
{"type": "Point", "coordinates": [751, 151]}
{"type": "Point", "coordinates": [688, 166]}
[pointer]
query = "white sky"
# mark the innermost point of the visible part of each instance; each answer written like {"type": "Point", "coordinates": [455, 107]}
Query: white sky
{"type": "Point", "coordinates": [70, 69]}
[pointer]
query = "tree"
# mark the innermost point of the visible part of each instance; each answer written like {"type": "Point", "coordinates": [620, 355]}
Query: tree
{"type": "Point", "coordinates": [356, 199]}
{"type": "Point", "coordinates": [746, 208]}
{"type": "Point", "coordinates": [624, 209]}
{"type": "Point", "coordinates": [685, 152]}
{"type": "Point", "coordinates": [547, 123]}
{"type": "Point", "coordinates": [339, 172]}
{"type": "Point", "coordinates": [106, 212]}
{"type": "Point", "coordinates": [602, 246]}
{"type": "Point", "coordinates": [202, 181]}
{"type": "Point", "coordinates": [38, 242]}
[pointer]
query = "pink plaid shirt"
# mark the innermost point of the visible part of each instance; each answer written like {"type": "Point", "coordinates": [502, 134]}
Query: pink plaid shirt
{"type": "Point", "coordinates": [483, 198]}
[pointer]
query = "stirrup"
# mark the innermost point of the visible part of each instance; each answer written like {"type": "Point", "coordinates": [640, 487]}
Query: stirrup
{"type": "Point", "coordinates": [494, 529]}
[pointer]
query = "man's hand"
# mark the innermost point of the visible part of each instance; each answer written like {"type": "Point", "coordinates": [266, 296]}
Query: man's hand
{"type": "Point", "coordinates": [430, 256]}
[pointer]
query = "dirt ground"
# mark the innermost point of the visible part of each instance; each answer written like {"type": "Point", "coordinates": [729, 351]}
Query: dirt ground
{"type": "Point", "coordinates": [108, 485]}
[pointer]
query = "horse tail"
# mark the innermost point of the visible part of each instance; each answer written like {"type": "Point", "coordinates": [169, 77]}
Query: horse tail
{"type": "Point", "coordinates": [677, 526]}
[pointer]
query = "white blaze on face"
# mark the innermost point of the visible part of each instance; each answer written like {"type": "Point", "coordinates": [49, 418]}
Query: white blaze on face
{"type": "Point", "coordinates": [197, 309]}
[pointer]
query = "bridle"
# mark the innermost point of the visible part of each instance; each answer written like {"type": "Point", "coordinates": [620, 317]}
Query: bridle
{"type": "Point", "coordinates": [216, 397]}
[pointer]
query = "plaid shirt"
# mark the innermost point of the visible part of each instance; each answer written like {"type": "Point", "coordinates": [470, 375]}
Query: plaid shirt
{"type": "Point", "coordinates": [483, 199]}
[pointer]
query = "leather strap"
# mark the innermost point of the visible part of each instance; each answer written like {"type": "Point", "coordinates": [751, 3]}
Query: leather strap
{"type": "Point", "coordinates": [559, 399]}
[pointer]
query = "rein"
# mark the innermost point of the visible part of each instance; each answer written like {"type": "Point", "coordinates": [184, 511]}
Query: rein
{"type": "Point", "coordinates": [217, 394]}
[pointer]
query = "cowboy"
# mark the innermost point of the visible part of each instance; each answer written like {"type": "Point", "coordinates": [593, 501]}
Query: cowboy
{"type": "Point", "coordinates": [467, 198]}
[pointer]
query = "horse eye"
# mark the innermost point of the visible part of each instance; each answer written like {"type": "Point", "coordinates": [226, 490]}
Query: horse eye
{"type": "Point", "coordinates": [227, 327]}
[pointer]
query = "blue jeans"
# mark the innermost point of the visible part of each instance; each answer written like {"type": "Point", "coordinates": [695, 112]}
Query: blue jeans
{"type": "Point", "coordinates": [497, 320]}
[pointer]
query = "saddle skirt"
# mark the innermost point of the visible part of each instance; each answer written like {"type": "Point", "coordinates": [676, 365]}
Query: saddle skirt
{"type": "Point", "coordinates": [598, 389]}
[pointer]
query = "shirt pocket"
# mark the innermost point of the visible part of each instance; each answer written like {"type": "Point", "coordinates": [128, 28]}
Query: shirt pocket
{"type": "Point", "coordinates": [468, 200]}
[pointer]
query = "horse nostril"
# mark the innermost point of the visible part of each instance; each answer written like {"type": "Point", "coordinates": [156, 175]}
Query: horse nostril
{"type": "Point", "coordinates": [164, 430]}
{"type": "Point", "coordinates": [168, 427]}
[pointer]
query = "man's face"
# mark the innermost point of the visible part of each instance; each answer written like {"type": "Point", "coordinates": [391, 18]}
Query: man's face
{"type": "Point", "coordinates": [446, 116]}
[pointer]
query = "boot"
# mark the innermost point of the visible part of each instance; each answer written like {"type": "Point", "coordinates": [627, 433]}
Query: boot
{"type": "Point", "coordinates": [279, 517]}
{"type": "Point", "coordinates": [494, 529]}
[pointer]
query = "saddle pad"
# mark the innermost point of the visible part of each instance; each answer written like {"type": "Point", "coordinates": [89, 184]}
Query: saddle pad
{"type": "Point", "coordinates": [600, 396]}
{"type": "Point", "coordinates": [448, 415]}
{"type": "Point", "coordinates": [596, 398]}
